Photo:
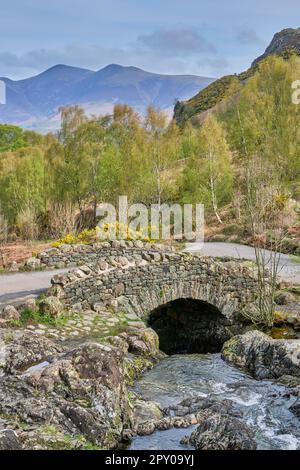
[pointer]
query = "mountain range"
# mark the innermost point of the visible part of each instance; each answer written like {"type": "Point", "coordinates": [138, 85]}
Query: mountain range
{"type": "Point", "coordinates": [34, 102]}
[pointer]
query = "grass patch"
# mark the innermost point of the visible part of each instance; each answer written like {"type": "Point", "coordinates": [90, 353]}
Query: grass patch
{"type": "Point", "coordinates": [110, 330]}
{"type": "Point", "coordinates": [295, 259]}
{"type": "Point", "coordinates": [118, 328]}
{"type": "Point", "coordinates": [28, 316]}
{"type": "Point", "coordinates": [294, 290]}
{"type": "Point", "coordinates": [54, 439]}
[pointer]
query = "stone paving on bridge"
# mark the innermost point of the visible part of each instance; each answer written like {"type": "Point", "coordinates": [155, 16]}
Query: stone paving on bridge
{"type": "Point", "coordinates": [91, 324]}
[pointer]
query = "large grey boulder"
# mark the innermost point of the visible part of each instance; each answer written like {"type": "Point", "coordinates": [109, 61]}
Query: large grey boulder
{"type": "Point", "coordinates": [262, 356]}
{"type": "Point", "coordinates": [222, 432]}
{"type": "Point", "coordinates": [143, 341]}
{"type": "Point", "coordinates": [20, 350]}
{"type": "Point", "coordinates": [146, 412]}
{"type": "Point", "coordinates": [83, 392]}
{"type": "Point", "coordinates": [13, 267]}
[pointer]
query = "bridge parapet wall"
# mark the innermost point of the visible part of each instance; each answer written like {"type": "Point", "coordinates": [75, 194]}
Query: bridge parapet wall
{"type": "Point", "coordinates": [70, 256]}
{"type": "Point", "coordinates": [142, 282]}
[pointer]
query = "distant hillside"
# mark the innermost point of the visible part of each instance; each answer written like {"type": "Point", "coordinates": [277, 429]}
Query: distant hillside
{"type": "Point", "coordinates": [284, 43]}
{"type": "Point", "coordinates": [34, 102]}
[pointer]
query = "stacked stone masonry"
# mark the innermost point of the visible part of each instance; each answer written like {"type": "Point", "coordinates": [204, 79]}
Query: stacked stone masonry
{"type": "Point", "coordinates": [70, 256]}
{"type": "Point", "coordinates": [139, 282]}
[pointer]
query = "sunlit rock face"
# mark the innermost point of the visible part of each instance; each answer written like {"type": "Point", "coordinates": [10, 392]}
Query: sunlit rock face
{"type": "Point", "coordinates": [262, 356]}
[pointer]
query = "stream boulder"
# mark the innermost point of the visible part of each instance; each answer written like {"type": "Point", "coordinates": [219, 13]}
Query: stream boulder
{"type": "Point", "coordinates": [222, 432]}
{"type": "Point", "coordinates": [142, 341]}
{"type": "Point", "coordinates": [262, 356]}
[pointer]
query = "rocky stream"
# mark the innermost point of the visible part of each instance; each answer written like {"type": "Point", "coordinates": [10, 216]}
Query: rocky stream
{"type": "Point", "coordinates": [262, 405]}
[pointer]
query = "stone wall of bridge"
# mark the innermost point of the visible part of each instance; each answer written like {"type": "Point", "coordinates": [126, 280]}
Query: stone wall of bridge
{"type": "Point", "coordinates": [70, 256]}
{"type": "Point", "coordinates": [141, 282]}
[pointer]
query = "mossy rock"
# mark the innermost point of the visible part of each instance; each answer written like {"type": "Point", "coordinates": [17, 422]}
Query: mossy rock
{"type": "Point", "coordinates": [282, 333]}
{"type": "Point", "coordinates": [135, 367]}
{"type": "Point", "coordinates": [51, 306]}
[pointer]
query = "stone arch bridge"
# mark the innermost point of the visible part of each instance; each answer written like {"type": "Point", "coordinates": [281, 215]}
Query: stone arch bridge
{"type": "Point", "coordinates": [158, 285]}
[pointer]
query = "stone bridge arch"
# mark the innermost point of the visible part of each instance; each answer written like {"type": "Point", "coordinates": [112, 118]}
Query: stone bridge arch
{"type": "Point", "coordinates": [149, 281]}
{"type": "Point", "coordinates": [190, 316]}
{"type": "Point", "coordinates": [155, 295]}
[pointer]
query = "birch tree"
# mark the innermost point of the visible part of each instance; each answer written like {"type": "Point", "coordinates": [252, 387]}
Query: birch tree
{"type": "Point", "coordinates": [208, 176]}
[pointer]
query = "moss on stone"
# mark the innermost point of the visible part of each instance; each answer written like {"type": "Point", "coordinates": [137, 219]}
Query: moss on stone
{"type": "Point", "coordinates": [282, 333]}
{"type": "Point", "coordinates": [134, 368]}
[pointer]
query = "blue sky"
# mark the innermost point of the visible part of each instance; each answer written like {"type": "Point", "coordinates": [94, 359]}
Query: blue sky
{"type": "Point", "coordinates": [210, 38]}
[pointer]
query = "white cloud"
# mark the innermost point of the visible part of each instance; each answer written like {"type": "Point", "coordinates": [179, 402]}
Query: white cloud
{"type": "Point", "coordinates": [177, 42]}
{"type": "Point", "coordinates": [249, 37]}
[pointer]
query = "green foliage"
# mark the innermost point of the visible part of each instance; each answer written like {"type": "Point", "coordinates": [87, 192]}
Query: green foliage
{"type": "Point", "coordinates": [206, 99]}
{"type": "Point", "coordinates": [35, 317]}
{"type": "Point", "coordinates": [11, 137]}
{"type": "Point", "coordinates": [208, 176]}
{"type": "Point", "coordinates": [228, 87]}
{"type": "Point", "coordinates": [265, 122]}
{"type": "Point", "coordinates": [50, 187]}
{"type": "Point", "coordinates": [21, 182]}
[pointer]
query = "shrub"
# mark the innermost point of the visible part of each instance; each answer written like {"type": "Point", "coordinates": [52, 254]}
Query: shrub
{"type": "Point", "coordinates": [3, 228]}
{"type": "Point", "coordinates": [26, 224]}
{"type": "Point", "coordinates": [87, 237]}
